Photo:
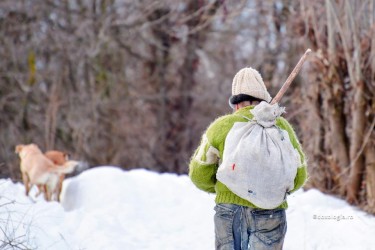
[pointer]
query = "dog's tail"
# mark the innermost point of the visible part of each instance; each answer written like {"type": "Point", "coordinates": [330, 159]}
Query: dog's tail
{"type": "Point", "coordinates": [67, 168]}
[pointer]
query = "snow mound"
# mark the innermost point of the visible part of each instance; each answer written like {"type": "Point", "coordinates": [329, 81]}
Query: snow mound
{"type": "Point", "coordinates": [108, 208]}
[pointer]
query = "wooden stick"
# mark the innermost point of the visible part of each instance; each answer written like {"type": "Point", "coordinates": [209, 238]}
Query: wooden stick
{"type": "Point", "coordinates": [290, 78]}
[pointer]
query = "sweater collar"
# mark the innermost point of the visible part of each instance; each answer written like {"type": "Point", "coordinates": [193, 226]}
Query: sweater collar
{"type": "Point", "coordinates": [245, 111]}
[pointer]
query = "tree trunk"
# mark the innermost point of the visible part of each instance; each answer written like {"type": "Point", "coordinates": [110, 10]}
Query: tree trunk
{"type": "Point", "coordinates": [335, 89]}
{"type": "Point", "coordinates": [337, 138]}
{"type": "Point", "coordinates": [357, 161]}
{"type": "Point", "coordinates": [370, 176]}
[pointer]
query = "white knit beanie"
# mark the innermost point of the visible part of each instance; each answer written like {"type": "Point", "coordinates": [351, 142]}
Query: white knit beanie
{"type": "Point", "coordinates": [248, 82]}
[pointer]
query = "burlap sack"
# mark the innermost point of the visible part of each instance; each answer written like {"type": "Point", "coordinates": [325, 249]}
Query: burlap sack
{"type": "Point", "coordinates": [259, 161]}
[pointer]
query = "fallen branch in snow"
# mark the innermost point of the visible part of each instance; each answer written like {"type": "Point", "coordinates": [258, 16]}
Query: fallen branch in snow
{"type": "Point", "coordinates": [14, 231]}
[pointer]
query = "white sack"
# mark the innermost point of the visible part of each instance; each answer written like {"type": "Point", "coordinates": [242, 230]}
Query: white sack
{"type": "Point", "coordinates": [259, 161]}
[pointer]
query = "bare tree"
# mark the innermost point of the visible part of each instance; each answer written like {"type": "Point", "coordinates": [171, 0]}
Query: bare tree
{"type": "Point", "coordinates": [342, 97]}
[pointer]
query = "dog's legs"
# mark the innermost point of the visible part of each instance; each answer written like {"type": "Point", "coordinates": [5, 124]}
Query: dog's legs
{"type": "Point", "coordinates": [49, 192]}
{"type": "Point", "coordinates": [59, 186]}
{"type": "Point", "coordinates": [40, 190]}
{"type": "Point", "coordinates": [25, 179]}
{"type": "Point", "coordinates": [43, 189]}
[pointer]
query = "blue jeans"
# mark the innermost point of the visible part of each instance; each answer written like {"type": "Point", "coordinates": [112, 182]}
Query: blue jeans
{"type": "Point", "coordinates": [239, 228]}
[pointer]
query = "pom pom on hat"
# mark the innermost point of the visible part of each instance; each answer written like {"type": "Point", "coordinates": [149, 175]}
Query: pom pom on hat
{"type": "Point", "coordinates": [248, 83]}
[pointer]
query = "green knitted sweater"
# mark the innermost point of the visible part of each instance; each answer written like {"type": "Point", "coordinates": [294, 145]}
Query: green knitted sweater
{"type": "Point", "coordinates": [206, 159]}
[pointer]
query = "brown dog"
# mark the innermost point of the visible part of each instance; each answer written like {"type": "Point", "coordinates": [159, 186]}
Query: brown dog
{"type": "Point", "coordinates": [38, 170]}
{"type": "Point", "coordinates": [60, 159]}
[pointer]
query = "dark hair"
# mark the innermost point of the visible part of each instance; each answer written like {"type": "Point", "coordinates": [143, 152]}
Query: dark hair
{"type": "Point", "coordinates": [235, 99]}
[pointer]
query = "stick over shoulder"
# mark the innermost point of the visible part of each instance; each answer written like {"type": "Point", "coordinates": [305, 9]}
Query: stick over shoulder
{"type": "Point", "coordinates": [290, 78]}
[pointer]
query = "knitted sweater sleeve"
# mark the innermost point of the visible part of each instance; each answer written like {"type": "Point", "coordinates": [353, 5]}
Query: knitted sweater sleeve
{"type": "Point", "coordinates": [302, 174]}
{"type": "Point", "coordinates": [205, 161]}
{"type": "Point", "coordinates": [203, 166]}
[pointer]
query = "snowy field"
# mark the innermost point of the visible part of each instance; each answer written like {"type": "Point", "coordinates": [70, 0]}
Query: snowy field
{"type": "Point", "coordinates": [107, 208]}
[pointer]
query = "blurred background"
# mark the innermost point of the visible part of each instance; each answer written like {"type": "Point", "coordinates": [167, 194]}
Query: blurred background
{"type": "Point", "coordinates": [135, 83]}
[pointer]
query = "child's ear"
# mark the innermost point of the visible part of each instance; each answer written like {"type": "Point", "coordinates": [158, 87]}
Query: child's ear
{"type": "Point", "coordinates": [230, 103]}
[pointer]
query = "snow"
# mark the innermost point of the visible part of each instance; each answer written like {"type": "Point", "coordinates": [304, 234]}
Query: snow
{"type": "Point", "coordinates": [108, 208]}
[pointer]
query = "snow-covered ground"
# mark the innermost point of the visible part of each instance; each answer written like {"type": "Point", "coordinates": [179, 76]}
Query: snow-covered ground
{"type": "Point", "coordinates": [108, 208]}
